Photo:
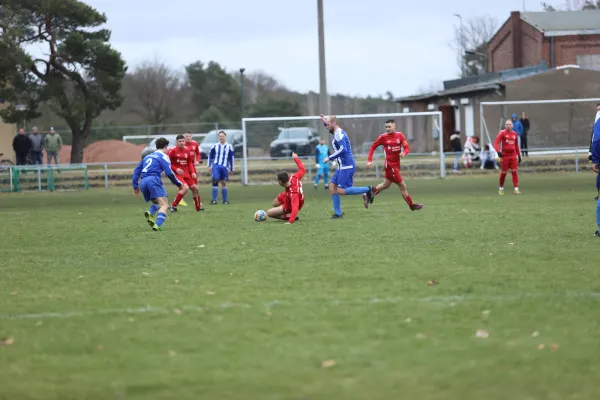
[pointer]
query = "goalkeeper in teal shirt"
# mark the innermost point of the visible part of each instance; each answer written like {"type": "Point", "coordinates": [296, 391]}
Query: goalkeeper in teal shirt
{"type": "Point", "coordinates": [322, 152]}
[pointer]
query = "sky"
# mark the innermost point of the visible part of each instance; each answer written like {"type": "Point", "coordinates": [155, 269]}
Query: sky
{"type": "Point", "coordinates": [372, 46]}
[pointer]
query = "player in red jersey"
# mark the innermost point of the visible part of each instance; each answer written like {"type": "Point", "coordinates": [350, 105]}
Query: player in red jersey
{"type": "Point", "coordinates": [193, 146]}
{"type": "Point", "coordinates": [182, 163]}
{"type": "Point", "coordinates": [395, 146]}
{"type": "Point", "coordinates": [288, 203]}
{"type": "Point", "coordinates": [509, 155]}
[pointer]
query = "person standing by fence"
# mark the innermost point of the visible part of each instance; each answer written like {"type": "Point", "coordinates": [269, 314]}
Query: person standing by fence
{"type": "Point", "coordinates": [37, 144]}
{"type": "Point", "coordinates": [22, 147]}
{"type": "Point", "coordinates": [53, 144]}
{"type": "Point", "coordinates": [525, 124]}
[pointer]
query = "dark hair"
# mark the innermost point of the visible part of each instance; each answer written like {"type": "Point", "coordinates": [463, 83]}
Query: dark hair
{"type": "Point", "coordinates": [390, 121]}
{"type": "Point", "coordinates": [283, 176]}
{"type": "Point", "coordinates": [161, 143]}
{"type": "Point", "coordinates": [223, 132]}
{"type": "Point", "coordinates": [188, 131]}
{"type": "Point", "coordinates": [180, 136]}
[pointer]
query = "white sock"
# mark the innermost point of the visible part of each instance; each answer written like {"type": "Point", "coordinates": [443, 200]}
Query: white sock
{"type": "Point", "coordinates": [501, 188]}
{"type": "Point", "coordinates": [516, 188]}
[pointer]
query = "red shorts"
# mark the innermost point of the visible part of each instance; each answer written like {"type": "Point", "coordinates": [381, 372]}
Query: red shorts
{"type": "Point", "coordinates": [187, 179]}
{"type": "Point", "coordinates": [510, 163]}
{"type": "Point", "coordinates": [284, 200]}
{"type": "Point", "coordinates": [393, 174]}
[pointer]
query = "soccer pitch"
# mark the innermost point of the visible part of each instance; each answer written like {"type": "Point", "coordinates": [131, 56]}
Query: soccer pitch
{"type": "Point", "coordinates": [217, 306]}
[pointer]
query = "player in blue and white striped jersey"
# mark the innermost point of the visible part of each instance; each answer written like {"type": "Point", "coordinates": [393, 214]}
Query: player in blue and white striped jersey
{"type": "Point", "coordinates": [595, 150]}
{"type": "Point", "coordinates": [220, 162]}
{"type": "Point", "coordinates": [341, 183]}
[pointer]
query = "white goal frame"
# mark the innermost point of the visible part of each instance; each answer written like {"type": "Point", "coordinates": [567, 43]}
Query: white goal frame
{"type": "Point", "coordinates": [130, 137]}
{"type": "Point", "coordinates": [437, 124]}
{"type": "Point", "coordinates": [483, 126]}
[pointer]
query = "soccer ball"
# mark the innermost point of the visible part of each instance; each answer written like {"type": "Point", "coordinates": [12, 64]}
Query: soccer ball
{"type": "Point", "coordinates": [260, 215]}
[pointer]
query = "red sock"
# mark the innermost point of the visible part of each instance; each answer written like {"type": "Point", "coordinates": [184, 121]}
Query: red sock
{"type": "Point", "coordinates": [515, 179]}
{"type": "Point", "coordinates": [376, 191]}
{"type": "Point", "coordinates": [502, 178]}
{"type": "Point", "coordinates": [177, 199]}
{"type": "Point", "coordinates": [408, 201]}
{"type": "Point", "coordinates": [197, 202]}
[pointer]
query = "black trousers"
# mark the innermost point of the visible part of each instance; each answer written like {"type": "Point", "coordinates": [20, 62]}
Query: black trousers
{"type": "Point", "coordinates": [21, 158]}
{"type": "Point", "coordinates": [524, 144]}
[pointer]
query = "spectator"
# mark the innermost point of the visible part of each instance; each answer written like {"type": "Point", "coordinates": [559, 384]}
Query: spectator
{"type": "Point", "coordinates": [22, 147]}
{"type": "Point", "coordinates": [488, 158]}
{"type": "Point", "coordinates": [517, 127]}
{"type": "Point", "coordinates": [456, 148]}
{"type": "Point", "coordinates": [471, 151]}
{"type": "Point", "coordinates": [525, 123]}
{"type": "Point", "coordinates": [37, 144]}
{"type": "Point", "coordinates": [53, 144]}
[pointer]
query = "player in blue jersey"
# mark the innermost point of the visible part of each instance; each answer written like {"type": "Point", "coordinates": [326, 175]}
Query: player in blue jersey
{"type": "Point", "coordinates": [590, 153]}
{"type": "Point", "coordinates": [220, 164]}
{"type": "Point", "coordinates": [321, 153]}
{"type": "Point", "coordinates": [342, 180]}
{"type": "Point", "coordinates": [150, 170]}
{"type": "Point", "coordinates": [595, 149]}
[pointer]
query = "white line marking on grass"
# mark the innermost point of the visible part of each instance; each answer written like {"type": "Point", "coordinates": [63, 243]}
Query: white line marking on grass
{"type": "Point", "coordinates": [450, 300]}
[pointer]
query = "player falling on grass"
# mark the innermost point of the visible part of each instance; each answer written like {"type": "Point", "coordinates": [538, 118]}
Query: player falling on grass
{"type": "Point", "coordinates": [596, 161]}
{"type": "Point", "coordinates": [591, 143]}
{"type": "Point", "coordinates": [395, 147]}
{"type": "Point", "coordinates": [220, 163]}
{"type": "Point", "coordinates": [182, 163]}
{"type": "Point", "coordinates": [342, 180]}
{"type": "Point", "coordinates": [289, 202]}
{"type": "Point", "coordinates": [150, 170]}
{"type": "Point", "coordinates": [509, 155]}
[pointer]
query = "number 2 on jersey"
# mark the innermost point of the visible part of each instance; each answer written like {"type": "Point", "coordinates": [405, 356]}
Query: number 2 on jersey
{"type": "Point", "coordinates": [148, 164]}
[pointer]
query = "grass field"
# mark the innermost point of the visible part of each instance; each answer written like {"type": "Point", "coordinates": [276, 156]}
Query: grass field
{"type": "Point", "coordinates": [217, 306]}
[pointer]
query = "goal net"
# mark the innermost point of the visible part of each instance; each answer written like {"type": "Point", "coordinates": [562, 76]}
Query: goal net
{"type": "Point", "coordinates": [556, 127]}
{"type": "Point", "coordinates": [59, 178]}
{"type": "Point", "coordinates": [269, 142]}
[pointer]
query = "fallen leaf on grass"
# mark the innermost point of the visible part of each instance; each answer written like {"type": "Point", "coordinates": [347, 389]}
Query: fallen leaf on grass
{"type": "Point", "coordinates": [177, 281]}
{"type": "Point", "coordinates": [7, 341]}
{"type": "Point", "coordinates": [211, 292]}
{"type": "Point", "coordinates": [201, 246]}
{"type": "Point", "coordinates": [485, 313]}
{"type": "Point", "coordinates": [99, 347]}
{"type": "Point", "coordinates": [15, 293]}
{"type": "Point", "coordinates": [177, 311]}
{"type": "Point", "coordinates": [144, 273]}
{"type": "Point", "coordinates": [268, 313]}
{"type": "Point", "coordinates": [432, 282]}
{"type": "Point", "coordinates": [39, 323]}
{"type": "Point", "coordinates": [554, 347]}
{"type": "Point", "coordinates": [482, 334]}
{"type": "Point", "coordinates": [327, 363]}
{"type": "Point", "coordinates": [541, 346]}
{"type": "Point", "coordinates": [172, 353]}
{"type": "Point", "coordinates": [420, 336]}
{"type": "Point", "coordinates": [408, 320]}
{"type": "Point", "coordinates": [535, 334]}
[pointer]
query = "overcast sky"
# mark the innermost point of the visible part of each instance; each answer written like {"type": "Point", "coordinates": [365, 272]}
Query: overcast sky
{"type": "Point", "coordinates": [372, 46]}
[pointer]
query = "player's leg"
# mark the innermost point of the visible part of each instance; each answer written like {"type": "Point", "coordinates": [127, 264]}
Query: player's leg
{"type": "Point", "coordinates": [215, 184]}
{"type": "Point", "coordinates": [163, 206]}
{"type": "Point", "coordinates": [224, 180]}
{"type": "Point", "coordinates": [325, 176]}
{"type": "Point", "coordinates": [503, 172]}
{"type": "Point", "coordinates": [345, 185]}
{"type": "Point", "coordinates": [318, 176]}
{"type": "Point", "coordinates": [145, 189]}
{"type": "Point", "coordinates": [404, 192]}
{"type": "Point", "coordinates": [181, 193]}
{"type": "Point", "coordinates": [598, 206]}
{"type": "Point", "coordinates": [335, 197]}
{"type": "Point", "coordinates": [514, 166]}
{"type": "Point", "coordinates": [196, 194]}
{"type": "Point", "coordinates": [276, 212]}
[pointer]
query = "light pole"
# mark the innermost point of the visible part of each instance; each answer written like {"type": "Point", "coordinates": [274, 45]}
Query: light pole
{"type": "Point", "coordinates": [462, 45]}
{"type": "Point", "coordinates": [323, 100]}
{"type": "Point", "coordinates": [242, 86]}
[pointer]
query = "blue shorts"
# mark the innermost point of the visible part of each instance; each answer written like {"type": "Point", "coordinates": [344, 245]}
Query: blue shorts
{"type": "Point", "coordinates": [343, 178]}
{"type": "Point", "coordinates": [220, 173]}
{"type": "Point", "coordinates": [598, 181]}
{"type": "Point", "coordinates": [152, 188]}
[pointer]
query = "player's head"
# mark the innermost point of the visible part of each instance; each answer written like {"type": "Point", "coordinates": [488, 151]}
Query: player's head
{"type": "Point", "coordinates": [283, 178]}
{"type": "Point", "coordinates": [508, 125]}
{"type": "Point", "coordinates": [523, 115]}
{"type": "Point", "coordinates": [188, 136]}
{"type": "Point", "coordinates": [162, 143]}
{"type": "Point", "coordinates": [598, 107]}
{"type": "Point", "coordinates": [514, 116]}
{"type": "Point", "coordinates": [332, 124]}
{"type": "Point", "coordinates": [222, 137]}
{"type": "Point", "coordinates": [180, 141]}
{"type": "Point", "coordinates": [321, 141]}
{"type": "Point", "coordinates": [390, 126]}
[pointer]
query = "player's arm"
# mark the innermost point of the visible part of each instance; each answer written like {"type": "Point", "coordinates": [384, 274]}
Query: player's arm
{"type": "Point", "coordinates": [497, 144]}
{"type": "Point", "coordinates": [173, 159]}
{"type": "Point", "coordinates": [136, 175]}
{"type": "Point", "coordinates": [301, 169]}
{"type": "Point", "coordinates": [295, 200]}
{"type": "Point", "coordinates": [166, 167]}
{"type": "Point", "coordinates": [517, 149]}
{"type": "Point", "coordinates": [338, 137]}
{"type": "Point", "coordinates": [405, 146]}
{"type": "Point", "coordinates": [211, 157]}
{"type": "Point", "coordinates": [191, 165]}
{"type": "Point", "coordinates": [378, 142]}
{"type": "Point", "coordinates": [230, 159]}
{"type": "Point", "coordinates": [317, 155]}
{"type": "Point", "coordinates": [324, 120]}
{"type": "Point", "coordinates": [198, 155]}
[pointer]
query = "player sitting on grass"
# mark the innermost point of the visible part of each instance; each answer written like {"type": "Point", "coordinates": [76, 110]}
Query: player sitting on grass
{"type": "Point", "coordinates": [182, 163]}
{"type": "Point", "coordinates": [288, 203]}
{"type": "Point", "coordinates": [150, 170]}
{"type": "Point", "coordinates": [395, 147]}
{"type": "Point", "coordinates": [509, 155]}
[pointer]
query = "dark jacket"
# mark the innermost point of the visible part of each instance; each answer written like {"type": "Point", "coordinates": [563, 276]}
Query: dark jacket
{"type": "Point", "coordinates": [525, 123]}
{"type": "Point", "coordinates": [21, 144]}
{"type": "Point", "coordinates": [455, 142]}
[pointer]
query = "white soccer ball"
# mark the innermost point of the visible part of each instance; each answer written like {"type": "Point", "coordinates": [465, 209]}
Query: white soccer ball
{"type": "Point", "coordinates": [260, 215]}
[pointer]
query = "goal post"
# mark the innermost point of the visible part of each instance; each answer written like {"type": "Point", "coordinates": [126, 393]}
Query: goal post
{"type": "Point", "coordinates": [277, 137]}
{"type": "Point", "coordinates": [556, 125]}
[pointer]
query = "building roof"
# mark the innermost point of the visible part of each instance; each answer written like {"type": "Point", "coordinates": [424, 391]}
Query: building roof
{"type": "Point", "coordinates": [555, 23]}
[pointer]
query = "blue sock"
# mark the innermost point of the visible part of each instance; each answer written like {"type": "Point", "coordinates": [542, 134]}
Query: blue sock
{"type": "Point", "coordinates": [153, 209]}
{"type": "Point", "coordinates": [598, 214]}
{"type": "Point", "coordinates": [224, 193]}
{"type": "Point", "coordinates": [356, 190]}
{"type": "Point", "coordinates": [161, 218]}
{"type": "Point", "coordinates": [215, 193]}
{"type": "Point", "coordinates": [337, 204]}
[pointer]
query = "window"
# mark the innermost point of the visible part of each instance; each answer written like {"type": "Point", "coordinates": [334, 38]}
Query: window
{"type": "Point", "coordinates": [589, 61]}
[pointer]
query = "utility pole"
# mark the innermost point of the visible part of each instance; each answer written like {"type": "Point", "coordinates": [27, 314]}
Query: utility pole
{"type": "Point", "coordinates": [462, 46]}
{"type": "Point", "coordinates": [323, 98]}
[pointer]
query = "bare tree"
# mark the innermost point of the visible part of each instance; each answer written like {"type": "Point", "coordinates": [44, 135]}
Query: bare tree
{"type": "Point", "coordinates": [471, 40]}
{"type": "Point", "coordinates": [155, 91]}
{"type": "Point", "coordinates": [573, 5]}
{"type": "Point", "coordinates": [430, 87]}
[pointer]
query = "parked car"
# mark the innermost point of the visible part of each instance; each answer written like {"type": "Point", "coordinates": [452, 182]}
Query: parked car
{"type": "Point", "coordinates": [302, 141]}
{"type": "Point", "coordinates": [235, 137]}
{"type": "Point", "coordinates": [151, 147]}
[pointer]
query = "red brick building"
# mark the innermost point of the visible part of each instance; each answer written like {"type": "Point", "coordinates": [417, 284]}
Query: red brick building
{"type": "Point", "coordinates": [558, 38]}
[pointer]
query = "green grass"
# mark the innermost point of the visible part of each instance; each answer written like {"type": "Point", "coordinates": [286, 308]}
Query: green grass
{"type": "Point", "coordinates": [89, 294]}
